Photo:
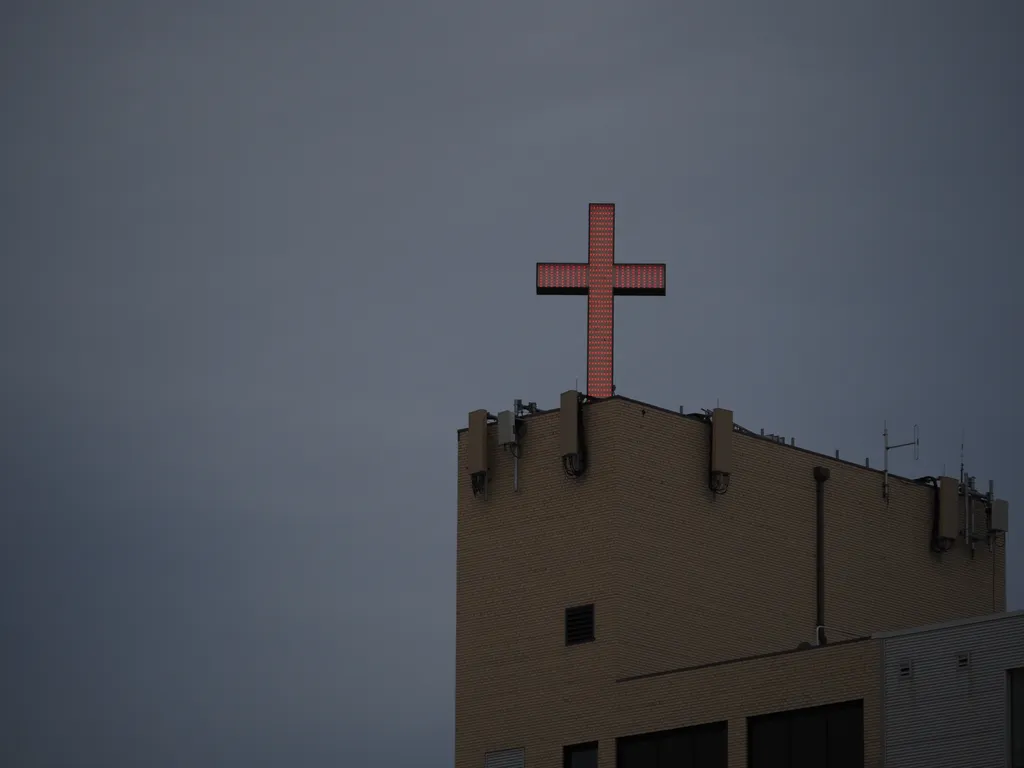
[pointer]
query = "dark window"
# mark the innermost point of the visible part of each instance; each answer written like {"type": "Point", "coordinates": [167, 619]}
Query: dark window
{"type": "Point", "coordinates": [579, 624]}
{"type": "Point", "coordinates": [846, 736]}
{"type": "Point", "coordinates": [1017, 717]}
{"type": "Point", "coordinates": [637, 752]}
{"type": "Point", "coordinates": [820, 737]}
{"type": "Point", "coordinates": [767, 740]}
{"type": "Point", "coordinates": [580, 755]}
{"type": "Point", "coordinates": [702, 746]}
{"type": "Point", "coordinates": [809, 744]}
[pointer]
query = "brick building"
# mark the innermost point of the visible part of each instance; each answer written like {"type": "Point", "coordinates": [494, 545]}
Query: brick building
{"type": "Point", "coordinates": [637, 587]}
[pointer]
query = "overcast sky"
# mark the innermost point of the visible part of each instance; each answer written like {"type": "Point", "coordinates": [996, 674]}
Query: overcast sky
{"type": "Point", "coordinates": [259, 259]}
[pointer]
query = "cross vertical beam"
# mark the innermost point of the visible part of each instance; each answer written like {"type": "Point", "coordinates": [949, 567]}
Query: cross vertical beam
{"type": "Point", "coordinates": [601, 301]}
{"type": "Point", "coordinates": [601, 279]}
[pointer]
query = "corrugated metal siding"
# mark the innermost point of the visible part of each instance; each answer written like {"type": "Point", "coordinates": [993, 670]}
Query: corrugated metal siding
{"type": "Point", "coordinates": [944, 714]}
{"type": "Point", "coordinates": [506, 758]}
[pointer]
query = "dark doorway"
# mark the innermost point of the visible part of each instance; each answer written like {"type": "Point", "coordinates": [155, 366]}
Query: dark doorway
{"type": "Point", "coordinates": [702, 746]}
{"type": "Point", "coordinates": [821, 737]}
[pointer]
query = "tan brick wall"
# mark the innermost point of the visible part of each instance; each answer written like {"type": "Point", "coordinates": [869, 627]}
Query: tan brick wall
{"type": "Point", "coordinates": [544, 713]}
{"type": "Point", "coordinates": [679, 578]}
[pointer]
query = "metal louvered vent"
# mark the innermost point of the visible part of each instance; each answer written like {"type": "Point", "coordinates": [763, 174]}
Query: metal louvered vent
{"type": "Point", "coordinates": [505, 758]}
{"type": "Point", "coordinates": [579, 624]}
{"type": "Point", "coordinates": [906, 668]}
{"type": "Point", "coordinates": [963, 660]}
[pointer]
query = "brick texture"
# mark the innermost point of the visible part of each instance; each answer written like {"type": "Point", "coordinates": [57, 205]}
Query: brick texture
{"type": "Point", "coordinates": [682, 578]}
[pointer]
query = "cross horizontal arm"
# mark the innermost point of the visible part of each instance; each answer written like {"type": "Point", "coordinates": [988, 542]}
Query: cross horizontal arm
{"type": "Point", "coordinates": [639, 279]}
{"type": "Point", "coordinates": [562, 279]}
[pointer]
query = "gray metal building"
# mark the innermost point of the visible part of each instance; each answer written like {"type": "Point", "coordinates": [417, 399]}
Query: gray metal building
{"type": "Point", "coordinates": [953, 694]}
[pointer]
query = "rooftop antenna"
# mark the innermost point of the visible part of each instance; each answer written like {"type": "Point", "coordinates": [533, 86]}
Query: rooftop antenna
{"type": "Point", "coordinates": [967, 487]}
{"type": "Point", "coordinates": [916, 443]}
{"type": "Point", "coordinates": [510, 430]}
{"type": "Point", "coordinates": [962, 435]}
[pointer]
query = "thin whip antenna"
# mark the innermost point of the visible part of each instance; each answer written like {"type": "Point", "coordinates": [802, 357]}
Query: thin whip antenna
{"type": "Point", "coordinates": [963, 432]}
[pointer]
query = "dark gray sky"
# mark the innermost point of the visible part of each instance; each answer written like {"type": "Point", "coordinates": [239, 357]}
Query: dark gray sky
{"type": "Point", "coordinates": [260, 259]}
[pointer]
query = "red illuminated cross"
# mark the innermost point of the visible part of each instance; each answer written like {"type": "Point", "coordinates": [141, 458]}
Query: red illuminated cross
{"type": "Point", "coordinates": [601, 279]}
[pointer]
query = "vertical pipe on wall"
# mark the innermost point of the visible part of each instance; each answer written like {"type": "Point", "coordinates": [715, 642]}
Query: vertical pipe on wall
{"type": "Point", "coordinates": [821, 476]}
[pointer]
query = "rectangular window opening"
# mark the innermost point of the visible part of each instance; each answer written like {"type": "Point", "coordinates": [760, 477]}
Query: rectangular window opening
{"type": "Point", "coordinates": [699, 746]}
{"type": "Point", "coordinates": [579, 624]}
{"type": "Point", "coordinates": [580, 755]}
{"type": "Point", "coordinates": [830, 736]}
